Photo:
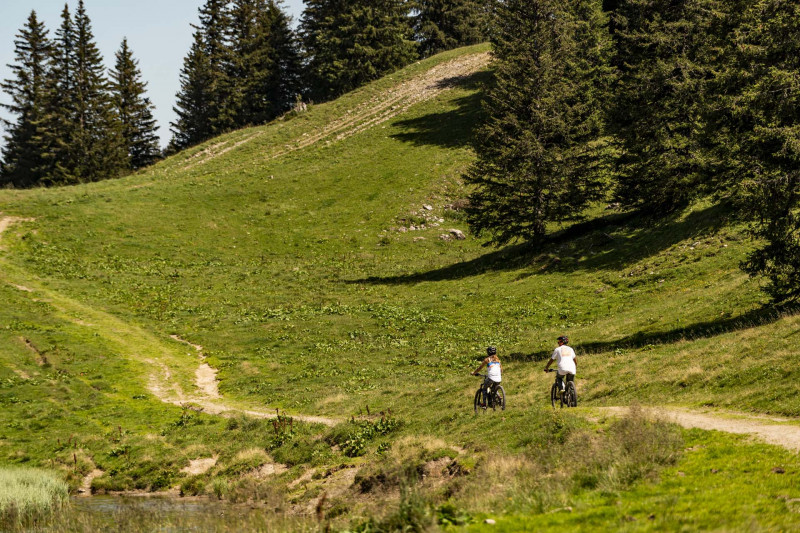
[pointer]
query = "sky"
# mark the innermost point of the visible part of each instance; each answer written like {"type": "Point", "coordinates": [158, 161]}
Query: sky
{"type": "Point", "coordinates": [158, 32]}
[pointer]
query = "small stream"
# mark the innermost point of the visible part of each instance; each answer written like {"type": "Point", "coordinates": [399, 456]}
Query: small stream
{"type": "Point", "coordinates": [170, 515]}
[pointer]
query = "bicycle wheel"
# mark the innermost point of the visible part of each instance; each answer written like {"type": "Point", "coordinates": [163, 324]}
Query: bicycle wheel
{"type": "Point", "coordinates": [477, 402]}
{"type": "Point", "coordinates": [572, 395]}
{"type": "Point", "coordinates": [554, 395]}
{"type": "Point", "coordinates": [499, 398]}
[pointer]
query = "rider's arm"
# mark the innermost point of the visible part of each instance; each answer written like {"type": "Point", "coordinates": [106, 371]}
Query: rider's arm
{"type": "Point", "coordinates": [549, 362]}
{"type": "Point", "coordinates": [479, 368]}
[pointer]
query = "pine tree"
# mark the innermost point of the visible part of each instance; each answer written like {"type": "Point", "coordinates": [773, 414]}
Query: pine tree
{"type": "Point", "coordinates": [284, 84]}
{"type": "Point", "coordinates": [61, 119]}
{"type": "Point", "coordinates": [215, 27]}
{"type": "Point", "coordinates": [207, 101]}
{"type": "Point", "coordinates": [349, 43]}
{"type": "Point", "coordinates": [265, 61]}
{"type": "Point", "coordinates": [762, 101]}
{"type": "Point", "coordinates": [663, 59]}
{"type": "Point", "coordinates": [99, 143]}
{"type": "Point", "coordinates": [445, 24]}
{"type": "Point", "coordinates": [134, 110]}
{"type": "Point", "coordinates": [540, 151]}
{"type": "Point", "coordinates": [24, 162]}
{"type": "Point", "coordinates": [193, 108]}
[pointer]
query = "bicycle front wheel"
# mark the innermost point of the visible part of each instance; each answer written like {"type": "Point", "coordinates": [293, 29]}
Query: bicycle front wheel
{"type": "Point", "coordinates": [477, 402]}
{"type": "Point", "coordinates": [554, 395]}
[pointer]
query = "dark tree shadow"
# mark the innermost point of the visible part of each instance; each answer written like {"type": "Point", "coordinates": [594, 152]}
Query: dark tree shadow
{"type": "Point", "coordinates": [591, 246]}
{"type": "Point", "coordinates": [701, 330]}
{"type": "Point", "coordinates": [454, 128]}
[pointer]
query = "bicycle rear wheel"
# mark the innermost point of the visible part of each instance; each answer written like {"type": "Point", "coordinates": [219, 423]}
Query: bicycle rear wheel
{"type": "Point", "coordinates": [499, 398]}
{"type": "Point", "coordinates": [572, 395]}
{"type": "Point", "coordinates": [554, 395]}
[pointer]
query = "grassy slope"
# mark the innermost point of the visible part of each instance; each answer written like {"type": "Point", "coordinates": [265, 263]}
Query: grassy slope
{"type": "Point", "coordinates": [287, 271]}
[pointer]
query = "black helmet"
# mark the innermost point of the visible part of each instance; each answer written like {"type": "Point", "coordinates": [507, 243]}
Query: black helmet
{"type": "Point", "coordinates": [564, 339]}
{"type": "Point", "coordinates": [491, 350]}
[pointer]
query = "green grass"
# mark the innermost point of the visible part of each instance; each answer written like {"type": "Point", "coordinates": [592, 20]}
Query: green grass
{"type": "Point", "coordinates": [291, 272]}
{"type": "Point", "coordinates": [28, 495]}
{"type": "Point", "coordinates": [721, 483]}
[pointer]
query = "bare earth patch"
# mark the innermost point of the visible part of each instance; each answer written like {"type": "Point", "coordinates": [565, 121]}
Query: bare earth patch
{"type": "Point", "coordinates": [764, 429]}
{"type": "Point", "coordinates": [199, 466]}
{"type": "Point", "coordinates": [86, 485]}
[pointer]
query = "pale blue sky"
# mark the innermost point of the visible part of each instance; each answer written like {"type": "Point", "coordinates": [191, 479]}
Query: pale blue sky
{"type": "Point", "coordinates": [158, 32]}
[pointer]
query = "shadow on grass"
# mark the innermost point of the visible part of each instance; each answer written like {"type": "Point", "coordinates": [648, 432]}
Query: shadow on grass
{"type": "Point", "coordinates": [454, 128]}
{"type": "Point", "coordinates": [591, 241]}
{"type": "Point", "coordinates": [754, 318]}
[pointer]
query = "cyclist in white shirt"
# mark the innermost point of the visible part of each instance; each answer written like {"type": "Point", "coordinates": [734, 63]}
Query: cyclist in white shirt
{"type": "Point", "coordinates": [493, 373]}
{"type": "Point", "coordinates": [567, 361]}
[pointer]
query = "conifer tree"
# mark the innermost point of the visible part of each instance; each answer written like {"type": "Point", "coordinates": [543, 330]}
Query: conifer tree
{"type": "Point", "coordinates": [265, 61]}
{"type": "Point", "coordinates": [284, 84]}
{"type": "Point", "coordinates": [663, 58]}
{"type": "Point", "coordinates": [24, 160]}
{"type": "Point", "coordinates": [763, 143]}
{"type": "Point", "coordinates": [99, 143]}
{"type": "Point", "coordinates": [62, 95]}
{"type": "Point", "coordinates": [215, 29]}
{"type": "Point", "coordinates": [134, 110]}
{"type": "Point", "coordinates": [207, 102]}
{"type": "Point", "coordinates": [351, 42]}
{"type": "Point", "coordinates": [193, 108]}
{"type": "Point", "coordinates": [445, 24]}
{"type": "Point", "coordinates": [539, 153]}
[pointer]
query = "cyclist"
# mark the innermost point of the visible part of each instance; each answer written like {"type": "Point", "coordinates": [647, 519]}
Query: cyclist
{"type": "Point", "coordinates": [493, 373]}
{"type": "Point", "coordinates": [567, 362]}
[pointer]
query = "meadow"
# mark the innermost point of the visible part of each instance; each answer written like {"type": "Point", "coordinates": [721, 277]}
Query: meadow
{"type": "Point", "coordinates": [287, 252]}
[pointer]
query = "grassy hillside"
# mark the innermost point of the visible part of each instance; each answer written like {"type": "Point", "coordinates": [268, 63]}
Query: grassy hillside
{"type": "Point", "coordinates": [287, 252]}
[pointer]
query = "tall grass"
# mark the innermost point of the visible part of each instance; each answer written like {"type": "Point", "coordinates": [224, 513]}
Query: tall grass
{"type": "Point", "coordinates": [29, 495]}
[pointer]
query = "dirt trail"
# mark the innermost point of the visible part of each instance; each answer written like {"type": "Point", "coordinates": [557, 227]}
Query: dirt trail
{"type": "Point", "coordinates": [169, 368]}
{"type": "Point", "coordinates": [770, 430]}
{"type": "Point", "coordinates": [377, 110]}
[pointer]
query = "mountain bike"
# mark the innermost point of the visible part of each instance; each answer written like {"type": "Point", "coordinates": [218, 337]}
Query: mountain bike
{"type": "Point", "coordinates": [498, 399]}
{"type": "Point", "coordinates": [568, 397]}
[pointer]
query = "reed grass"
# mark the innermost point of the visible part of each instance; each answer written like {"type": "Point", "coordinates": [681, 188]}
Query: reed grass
{"type": "Point", "coordinates": [29, 495]}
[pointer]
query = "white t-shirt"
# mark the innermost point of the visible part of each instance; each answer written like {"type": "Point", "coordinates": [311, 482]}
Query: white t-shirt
{"type": "Point", "coordinates": [493, 370]}
{"type": "Point", "coordinates": [565, 357]}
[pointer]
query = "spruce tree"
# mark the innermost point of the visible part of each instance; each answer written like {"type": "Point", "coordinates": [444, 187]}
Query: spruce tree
{"type": "Point", "coordinates": [284, 83]}
{"type": "Point", "coordinates": [540, 151]}
{"type": "Point", "coordinates": [445, 24]}
{"type": "Point", "coordinates": [762, 100]}
{"type": "Point", "coordinates": [99, 143]}
{"type": "Point", "coordinates": [24, 155]}
{"type": "Point", "coordinates": [193, 108]}
{"type": "Point", "coordinates": [62, 95]}
{"type": "Point", "coordinates": [349, 43]}
{"type": "Point", "coordinates": [134, 110]}
{"type": "Point", "coordinates": [663, 58]}
{"type": "Point", "coordinates": [215, 30]}
{"type": "Point", "coordinates": [207, 102]}
{"type": "Point", "coordinates": [265, 61]}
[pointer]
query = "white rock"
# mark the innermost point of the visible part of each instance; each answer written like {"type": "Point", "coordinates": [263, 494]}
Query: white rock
{"type": "Point", "coordinates": [489, 521]}
{"type": "Point", "coordinates": [458, 234]}
{"type": "Point", "coordinates": [427, 207]}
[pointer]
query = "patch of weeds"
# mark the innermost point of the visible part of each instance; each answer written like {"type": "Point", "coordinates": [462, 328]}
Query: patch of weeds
{"type": "Point", "coordinates": [194, 486]}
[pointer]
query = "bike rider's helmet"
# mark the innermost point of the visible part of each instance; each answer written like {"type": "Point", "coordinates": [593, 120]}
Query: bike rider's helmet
{"type": "Point", "coordinates": [564, 339]}
{"type": "Point", "coordinates": [491, 350]}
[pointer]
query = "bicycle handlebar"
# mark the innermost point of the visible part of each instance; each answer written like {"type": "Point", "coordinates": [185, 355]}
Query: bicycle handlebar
{"type": "Point", "coordinates": [479, 375]}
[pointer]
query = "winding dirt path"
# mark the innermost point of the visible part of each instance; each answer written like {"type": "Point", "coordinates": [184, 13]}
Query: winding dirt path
{"type": "Point", "coordinates": [777, 431]}
{"type": "Point", "coordinates": [170, 369]}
